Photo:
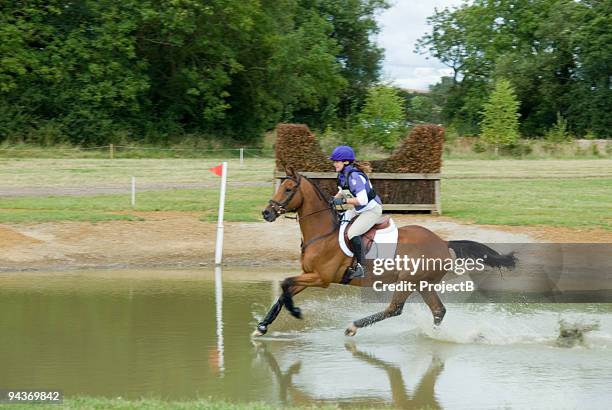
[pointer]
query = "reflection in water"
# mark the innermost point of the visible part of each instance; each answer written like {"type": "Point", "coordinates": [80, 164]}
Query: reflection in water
{"type": "Point", "coordinates": [290, 394]}
{"type": "Point", "coordinates": [219, 317]}
{"type": "Point", "coordinates": [179, 335]}
{"type": "Point", "coordinates": [424, 395]}
{"type": "Point", "coordinates": [284, 379]}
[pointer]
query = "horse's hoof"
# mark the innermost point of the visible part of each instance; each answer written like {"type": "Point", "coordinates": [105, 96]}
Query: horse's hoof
{"type": "Point", "coordinates": [351, 330]}
{"type": "Point", "coordinates": [438, 320]}
{"type": "Point", "coordinates": [296, 313]}
{"type": "Point", "coordinates": [260, 331]}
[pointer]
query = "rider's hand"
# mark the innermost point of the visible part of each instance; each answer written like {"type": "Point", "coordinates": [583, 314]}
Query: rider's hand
{"type": "Point", "coordinates": [339, 201]}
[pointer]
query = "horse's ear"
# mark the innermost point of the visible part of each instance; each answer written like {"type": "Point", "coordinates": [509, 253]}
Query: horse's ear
{"type": "Point", "coordinates": [290, 171]}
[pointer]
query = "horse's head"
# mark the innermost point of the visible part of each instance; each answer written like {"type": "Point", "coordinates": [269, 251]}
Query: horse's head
{"type": "Point", "coordinates": [287, 198]}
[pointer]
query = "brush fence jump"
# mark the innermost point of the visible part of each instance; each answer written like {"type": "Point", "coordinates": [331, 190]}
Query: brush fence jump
{"type": "Point", "coordinates": [399, 192]}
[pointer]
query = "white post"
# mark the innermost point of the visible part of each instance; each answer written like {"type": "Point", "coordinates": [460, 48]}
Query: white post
{"type": "Point", "coordinates": [219, 246]}
{"type": "Point", "coordinates": [133, 192]}
{"type": "Point", "coordinates": [219, 317]}
{"type": "Point", "coordinates": [241, 156]}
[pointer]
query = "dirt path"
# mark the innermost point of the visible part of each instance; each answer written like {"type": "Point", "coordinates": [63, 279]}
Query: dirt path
{"type": "Point", "coordinates": [179, 239]}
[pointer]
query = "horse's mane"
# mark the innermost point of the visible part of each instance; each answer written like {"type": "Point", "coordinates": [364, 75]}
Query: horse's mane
{"type": "Point", "coordinates": [325, 198]}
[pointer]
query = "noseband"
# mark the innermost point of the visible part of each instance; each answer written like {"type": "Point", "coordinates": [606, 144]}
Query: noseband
{"type": "Point", "coordinates": [280, 207]}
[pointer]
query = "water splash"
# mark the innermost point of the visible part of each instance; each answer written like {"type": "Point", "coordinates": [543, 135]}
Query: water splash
{"type": "Point", "coordinates": [572, 334]}
{"type": "Point", "coordinates": [490, 324]}
{"type": "Point", "coordinates": [504, 325]}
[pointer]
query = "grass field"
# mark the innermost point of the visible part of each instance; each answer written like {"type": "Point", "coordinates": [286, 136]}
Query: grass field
{"type": "Point", "coordinates": [142, 404]}
{"type": "Point", "coordinates": [572, 193]}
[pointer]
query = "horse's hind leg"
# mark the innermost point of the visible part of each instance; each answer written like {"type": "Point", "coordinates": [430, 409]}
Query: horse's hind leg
{"type": "Point", "coordinates": [394, 309]}
{"type": "Point", "coordinates": [435, 305]}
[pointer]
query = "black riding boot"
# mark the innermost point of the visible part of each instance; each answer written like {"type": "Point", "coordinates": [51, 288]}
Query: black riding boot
{"type": "Point", "coordinates": [358, 271]}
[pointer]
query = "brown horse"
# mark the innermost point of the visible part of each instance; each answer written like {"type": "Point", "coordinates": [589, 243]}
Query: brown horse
{"type": "Point", "coordinates": [323, 262]}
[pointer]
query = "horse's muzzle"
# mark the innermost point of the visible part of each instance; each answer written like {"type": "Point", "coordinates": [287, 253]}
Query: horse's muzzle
{"type": "Point", "coordinates": [269, 214]}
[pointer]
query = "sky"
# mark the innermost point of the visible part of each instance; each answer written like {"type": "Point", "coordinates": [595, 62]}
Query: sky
{"type": "Point", "coordinates": [401, 25]}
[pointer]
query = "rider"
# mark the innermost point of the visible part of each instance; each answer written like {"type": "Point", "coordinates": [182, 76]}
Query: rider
{"type": "Point", "coordinates": [368, 206]}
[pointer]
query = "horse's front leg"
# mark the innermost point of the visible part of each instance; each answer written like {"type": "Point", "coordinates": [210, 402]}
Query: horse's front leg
{"type": "Point", "coordinates": [298, 282]}
{"type": "Point", "coordinates": [291, 287]}
{"type": "Point", "coordinates": [262, 327]}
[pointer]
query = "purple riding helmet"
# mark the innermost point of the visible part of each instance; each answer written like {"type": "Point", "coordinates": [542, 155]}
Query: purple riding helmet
{"type": "Point", "coordinates": [343, 153]}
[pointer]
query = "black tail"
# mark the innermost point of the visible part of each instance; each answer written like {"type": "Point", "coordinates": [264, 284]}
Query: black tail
{"type": "Point", "coordinates": [471, 249]}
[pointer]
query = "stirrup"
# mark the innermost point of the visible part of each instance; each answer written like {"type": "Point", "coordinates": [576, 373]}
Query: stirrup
{"type": "Point", "coordinates": [357, 272]}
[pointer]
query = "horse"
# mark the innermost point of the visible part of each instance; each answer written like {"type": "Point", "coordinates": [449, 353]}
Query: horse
{"type": "Point", "coordinates": [324, 263]}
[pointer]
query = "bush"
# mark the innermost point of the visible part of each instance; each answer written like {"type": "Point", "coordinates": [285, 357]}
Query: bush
{"type": "Point", "coordinates": [421, 151]}
{"type": "Point", "coordinates": [297, 147]}
{"type": "Point", "coordinates": [558, 132]}
{"type": "Point", "coordinates": [479, 147]}
{"type": "Point", "coordinates": [517, 149]}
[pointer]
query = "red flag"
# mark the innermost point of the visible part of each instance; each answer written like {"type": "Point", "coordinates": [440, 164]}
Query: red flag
{"type": "Point", "coordinates": [217, 170]}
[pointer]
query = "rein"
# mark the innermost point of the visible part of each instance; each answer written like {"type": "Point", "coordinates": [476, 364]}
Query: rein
{"type": "Point", "coordinates": [297, 218]}
{"type": "Point", "coordinates": [280, 208]}
{"type": "Point", "coordinates": [317, 238]}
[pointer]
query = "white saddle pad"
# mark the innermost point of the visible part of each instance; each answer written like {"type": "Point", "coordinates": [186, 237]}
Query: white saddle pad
{"type": "Point", "coordinates": [384, 246]}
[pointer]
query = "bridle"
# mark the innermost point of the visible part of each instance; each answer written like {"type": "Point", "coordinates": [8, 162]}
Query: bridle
{"type": "Point", "coordinates": [281, 207]}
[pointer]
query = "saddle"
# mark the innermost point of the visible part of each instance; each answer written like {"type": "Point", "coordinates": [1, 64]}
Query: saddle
{"type": "Point", "coordinates": [368, 237]}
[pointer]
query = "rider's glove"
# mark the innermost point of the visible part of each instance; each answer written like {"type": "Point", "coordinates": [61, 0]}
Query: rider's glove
{"type": "Point", "coordinates": [339, 201]}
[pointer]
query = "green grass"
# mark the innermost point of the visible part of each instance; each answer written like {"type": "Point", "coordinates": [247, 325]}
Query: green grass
{"type": "Point", "coordinates": [189, 149]}
{"type": "Point", "coordinates": [146, 404]}
{"type": "Point", "coordinates": [70, 172]}
{"type": "Point", "coordinates": [52, 215]}
{"type": "Point", "coordinates": [574, 193]}
{"type": "Point", "coordinates": [530, 149]}
{"type": "Point", "coordinates": [242, 204]}
{"type": "Point", "coordinates": [556, 202]}
{"type": "Point", "coordinates": [520, 169]}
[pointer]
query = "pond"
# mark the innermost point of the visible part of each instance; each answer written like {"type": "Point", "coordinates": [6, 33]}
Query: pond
{"type": "Point", "coordinates": [181, 335]}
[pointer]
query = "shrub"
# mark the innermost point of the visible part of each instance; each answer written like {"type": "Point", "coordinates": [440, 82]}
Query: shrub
{"type": "Point", "coordinates": [500, 116]}
{"type": "Point", "coordinates": [419, 152]}
{"type": "Point", "coordinates": [297, 147]}
{"type": "Point", "coordinates": [558, 132]}
{"type": "Point", "coordinates": [479, 147]}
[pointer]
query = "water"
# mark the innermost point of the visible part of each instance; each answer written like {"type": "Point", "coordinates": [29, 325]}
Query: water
{"type": "Point", "coordinates": [168, 334]}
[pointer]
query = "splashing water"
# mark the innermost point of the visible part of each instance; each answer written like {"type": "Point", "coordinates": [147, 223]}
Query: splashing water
{"type": "Point", "coordinates": [563, 325]}
{"type": "Point", "coordinates": [505, 324]}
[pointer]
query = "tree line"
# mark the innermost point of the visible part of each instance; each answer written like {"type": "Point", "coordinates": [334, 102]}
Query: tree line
{"type": "Point", "coordinates": [89, 72]}
{"type": "Point", "coordinates": [555, 55]}
{"type": "Point", "coordinates": [93, 72]}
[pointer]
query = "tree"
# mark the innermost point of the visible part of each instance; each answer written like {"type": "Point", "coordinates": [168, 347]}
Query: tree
{"type": "Point", "coordinates": [157, 70]}
{"type": "Point", "coordinates": [553, 51]}
{"type": "Point", "coordinates": [422, 109]}
{"type": "Point", "coordinates": [500, 116]}
{"type": "Point", "coordinates": [382, 118]}
{"type": "Point", "coordinates": [354, 26]}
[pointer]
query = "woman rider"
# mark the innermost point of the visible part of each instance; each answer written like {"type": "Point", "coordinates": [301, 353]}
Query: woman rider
{"type": "Point", "coordinates": [368, 206]}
